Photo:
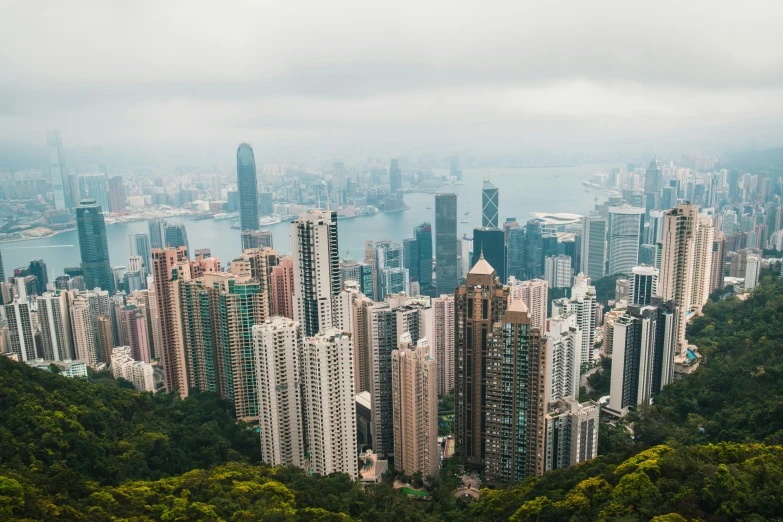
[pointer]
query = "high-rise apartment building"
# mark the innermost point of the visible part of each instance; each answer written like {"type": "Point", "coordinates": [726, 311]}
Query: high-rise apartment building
{"type": "Point", "coordinates": [139, 373]}
{"type": "Point", "coordinates": [446, 272]}
{"type": "Point", "coordinates": [564, 357]}
{"type": "Point", "coordinates": [626, 225]}
{"type": "Point", "coordinates": [330, 403]}
{"type": "Point", "coordinates": [157, 228]}
{"type": "Point", "coordinates": [582, 304]}
{"type": "Point", "coordinates": [316, 269]}
{"type": "Point", "coordinates": [54, 320]}
{"type": "Point", "coordinates": [702, 263]}
{"type": "Point", "coordinates": [278, 347]}
{"type": "Point", "coordinates": [175, 375]}
{"type": "Point", "coordinates": [571, 433]}
{"type": "Point", "coordinates": [535, 294]}
{"type": "Point", "coordinates": [93, 246]}
{"type": "Point", "coordinates": [594, 246]}
{"type": "Point", "coordinates": [558, 271]}
{"type": "Point", "coordinates": [752, 272]}
{"type": "Point", "coordinates": [20, 328]}
{"type": "Point", "coordinates": [443, 341]}
{"type": "Point", "coordinates": [718, 260]}
{"type": "Point", "coordinates": [93, 187]}
{"type": "Point", "coordinates": [415, 407]}
{"type": "Point", "coordinates": [140, 246]}
{"type": "Point", "coordinates": [677, 263]}
{"type": "Point", "coordinates": [489, 205]}
{"type": "Point", "coordinates": [61, 186]}
{"type": "Point", "coordinates": [247, 185]}
{"type": "Point", "coordinates": [643, 285]}
{"type": "Point", "coordinates": [83, 324]}
{"type": "Point", "coordinates": [281, 285]}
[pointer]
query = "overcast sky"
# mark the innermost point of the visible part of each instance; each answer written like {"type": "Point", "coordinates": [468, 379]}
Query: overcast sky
{"type": "Point", "coordinates": [445, 74]}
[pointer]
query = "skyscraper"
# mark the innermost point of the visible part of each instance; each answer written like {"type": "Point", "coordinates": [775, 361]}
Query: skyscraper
{"type": "Point", "coordinates": [653, 184]}
{"type": "Point", "coordinates": [20, 328]}
{"type": "Point", "coordinates": [395, 177]}
{"type": "Point", "coordinates": [247, 185]}
{"type": "Point", "coordinates": [415, 406]}
{"type": "Point", "coordinates": [582, 304]}
{"type": "Point", "coordinates": [140, 246]}
{"type": "Point", "coordinates": [418, 255]}
{"type": "Point", "coordinates": [535, 294]}
{"type": "Point", "coordinates": [443, 341]}
{"type": "Point", "coordinates": [278, 347]}
{"type": "Point", "coordinates": [93, 246]}
{"type": "Point", "coordinates": [644, 285]}
{"type": "Point", "coordinates": [626, 225]}
{"type": "Point", "coordinates": [558, 271]}
{"type": "Point", "coordinates": [157, 228]}
{"type": "Point", "coordinates": [393, 277]}
{"type": "Point", "coordinates": [564, 357]}
{"type": "Point", "coordinates": [330, 403]}
{"type": "Point", "coordinates": [281, 283]}
{"type": "Point", "coordinates": [61, 186]}
{"type": "Point", "coordinates": [489, 205]}
{"type": "Point", "coordinates": [572, 433]}
{"type": "Point", "coordinates": [116, 194]}
{"type": "Point", "coordinates": [752, 272]}
{"type": "Point", "coordinates": [446, 242]}
{"type": "Point", "coordinates": [677, 260]}
{"type": "Point", "coordinates": [176, 236]}
{"type": "Point", "coordinates": [55, 321]}
{"type": "Point", "coordinates": [718, 261]}
{"type": "Point", "coordinates": [702, 263]}
{"type": "Point", "coordinates": [37, 268]}
{"type": "Point", "coordinates": [490, 243]}
{"type": "Point", "coordinates": [316, 269]}
{"type": "Point", "coordinates": [93, 186]}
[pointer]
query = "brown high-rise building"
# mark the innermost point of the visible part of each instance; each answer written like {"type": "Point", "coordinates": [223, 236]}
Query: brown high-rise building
{"type": "Point", "coordinates": [500, 381]}
{"type": "Point", "coordinates": [415, 408]}
{"type": "Point", "coordinates": [281, 283]}
{"type": "Point", "coordinates": [103, 337]}
{"type": "Point", "coordinates": [718, 261]}
{"type": "Point", "coordinates": [175, 377]}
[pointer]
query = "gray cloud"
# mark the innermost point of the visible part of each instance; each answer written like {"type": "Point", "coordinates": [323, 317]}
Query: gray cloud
{"type": "Point", "coordinates": [452, 73]}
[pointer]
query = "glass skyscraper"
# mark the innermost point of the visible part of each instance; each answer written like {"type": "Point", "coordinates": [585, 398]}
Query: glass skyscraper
{"type": "Point", "coordinates": [61, 186]}
{"type": "Point", "coordinates": [423, 236]}
{"type": "Point", "coordinates": [490, 241]}
{"type": "Point", "coordinates": [91, 229]}
{"type": "Point", "coordinates": [248, 189]}
{"type": "Point", "coordinates": [176, 236]}
{"type": "Point", "coordinates": [93, 186]}
{"type": "Point", "coordinates": [489, 205]}
{"type": "Point", "coordinates": [446, 243]}
{"type": "Point", "coordinates": [157, 228]}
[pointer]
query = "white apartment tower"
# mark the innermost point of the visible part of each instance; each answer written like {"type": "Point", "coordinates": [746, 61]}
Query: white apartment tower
{"type": "Point", "coordinates": [677, 262]}
{"type": "Point", "coordinates": [564, 358]}
{"type": "Point", "coordinates": [278, 344]}
{"type": "Point", "coordinates": [20, 328]}
{"type": "Point", "coordinates": [85, 341]}
{"type": "Point", "coordinates": [55, 322]}
{"type": "Point", "coordinates": [581, 303]}
{"type": "Point", "coordinates": [443, 341]}
{"type": "Point", "coordinates": [702, 265]}
{"type": "Point", "coordinates": [330, 402]}
{"type": "Point", "coordinates": [752, 270]}
{"type": "Point", "coordinates": [316, 269]}
{"type": "Point", "coordinates": [534, 293]}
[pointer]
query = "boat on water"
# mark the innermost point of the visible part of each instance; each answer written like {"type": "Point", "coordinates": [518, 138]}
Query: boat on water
{"type": "Point", "coordinates": [429, 208]}
{"type": "Point", "coordinates": [464, 221]}
{"type": "Point", "coordinates": [467, 212]}
{"type": "Point", "coordinates": [236, 225]}
{"type": "Point", "coordinates": [269, 220]}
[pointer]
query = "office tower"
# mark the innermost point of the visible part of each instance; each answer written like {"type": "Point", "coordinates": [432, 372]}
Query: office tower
{"type": "Point", "coordinates": [37, 268]}
{"type": "Point", "coordinates": [558, 271]}
{"type": "Point", "coordinates": [564, 357]}
{"type": "Point", "coordinates": [648, 255]}
{"type": "Point", "coordinates": [116, 194]}
{"type": "Point", "coordinates": [257, 239]}
{"type": "Point", "coordinates": [172, 353]}
{"type": "Point", "coordinates": [534, 293]}
{"type": "Point", "coordinates": [478, 305]}
{"type": "Point", "coordinates": [752, 271]}
{"type": "Point", "coordinates": [718, 261]}
{"type": "Point", "coordinates": [217, 193]}
{"type": "Point", "coordinates": [54, 319]}
{"type": "Point", "coordinates": [330, 404]}
{"type": "Point", "coordinates": [644, 341]}
{"type": "Point", "coordinates": [594, 246]}
{"type": "Point", "coordinates": [140, 246]}
{"type": "Point", "coordinates": [454, 170]}
{"type": "Point", "coordinates": [443, 341]}
{"type": "Point", "coordinates": [534, 250]}
{"type": "Point", "coordinates": [393, 278]}
{"type": "Point", "coordinates": [395, 177]}
{"type": "Point", "coordinates": [415, 406]}
{"type": "Point", "coordinates": [83, 325]}
{"type": "Point", "coordinates": [136, 264]}
{"type": "Point", "coordinates": [446, 242]}
{"type": "Point", "coordinates": [281, 283]}
{"type": "Point", "coordinates": [316, 269]}
{"type": "Point", "coordinates": [139, 373]}
{"type": "Point", "coordinates": [93, 246]}
{"type": "Point", "coordinates": [20, 328]}
{"type": "Point", "coordinates": [278, 346]}
{"type": "Point", "coordinates": [490, 243]}
{"type": "Point", "coordinates": [677, 261]}
{"type": "Point", "coordinates": [626, 225]}
{"type": "Point", "coordinates": [423, 238]}
{"type": "Point", "coordinates": [653, 184]}
{"type": "Point", "coordinates": [93, 186]}
{"type": "Point", "coordinates": [247, 185]}
{"type": "Point", "coordinates": [265, 203]}
{"type": "Point", "coordinates": [582, 303]}
{"type": "Point", "coordinates": [61, 187]}
{"type": "Point", "coordinates": [394, 281]}
{"type": "Point", "coordinates": [489, 205]}
{"type": "Point", "coordinates": [571, 433]}
{"type": "Point", "coordinates": [514, 403]}
{"type": "Point", "coordinates": [176, 236]}
{"type": "Point", "coordinates": [157, 228]}
{"type": "Point", "coordinates": [515, 263]}
{"type": "Point", "coordinates": [644, 285]}
{"type": "Point", "coordinates": [702, 265]}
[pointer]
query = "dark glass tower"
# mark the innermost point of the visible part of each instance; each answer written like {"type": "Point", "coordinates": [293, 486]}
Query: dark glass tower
{"type": "Point", "coordinates": [446, 243]}
{"type": "Point", "coordinates": [248, 189]}
{"type": "Point", "coordinates": [38, 269]}
{"type": "Point", "coordinates": [395, 177]}
{"type": "Point", "coordinates": [93, 247]}
{"type": "Point", "coordinates": [490, 241]}
{"type": "Point", "coordinates": [176, 236]}
{"type": "Point", "coordinates": [489, 206]}
{"type": "Point", "coordinates": [157, 229]}
{"type": "Point", "coordinates": [2, 271]}
{"type": "Point", "coordinates": [423, 237]}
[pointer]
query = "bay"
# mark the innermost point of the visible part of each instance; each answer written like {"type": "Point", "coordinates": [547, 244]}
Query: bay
{"type": "Point", "coordinates": [521, 191]}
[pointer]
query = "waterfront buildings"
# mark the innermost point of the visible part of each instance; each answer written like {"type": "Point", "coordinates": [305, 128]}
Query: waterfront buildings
{"type": "Point", "coordinates": [93, 246]}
